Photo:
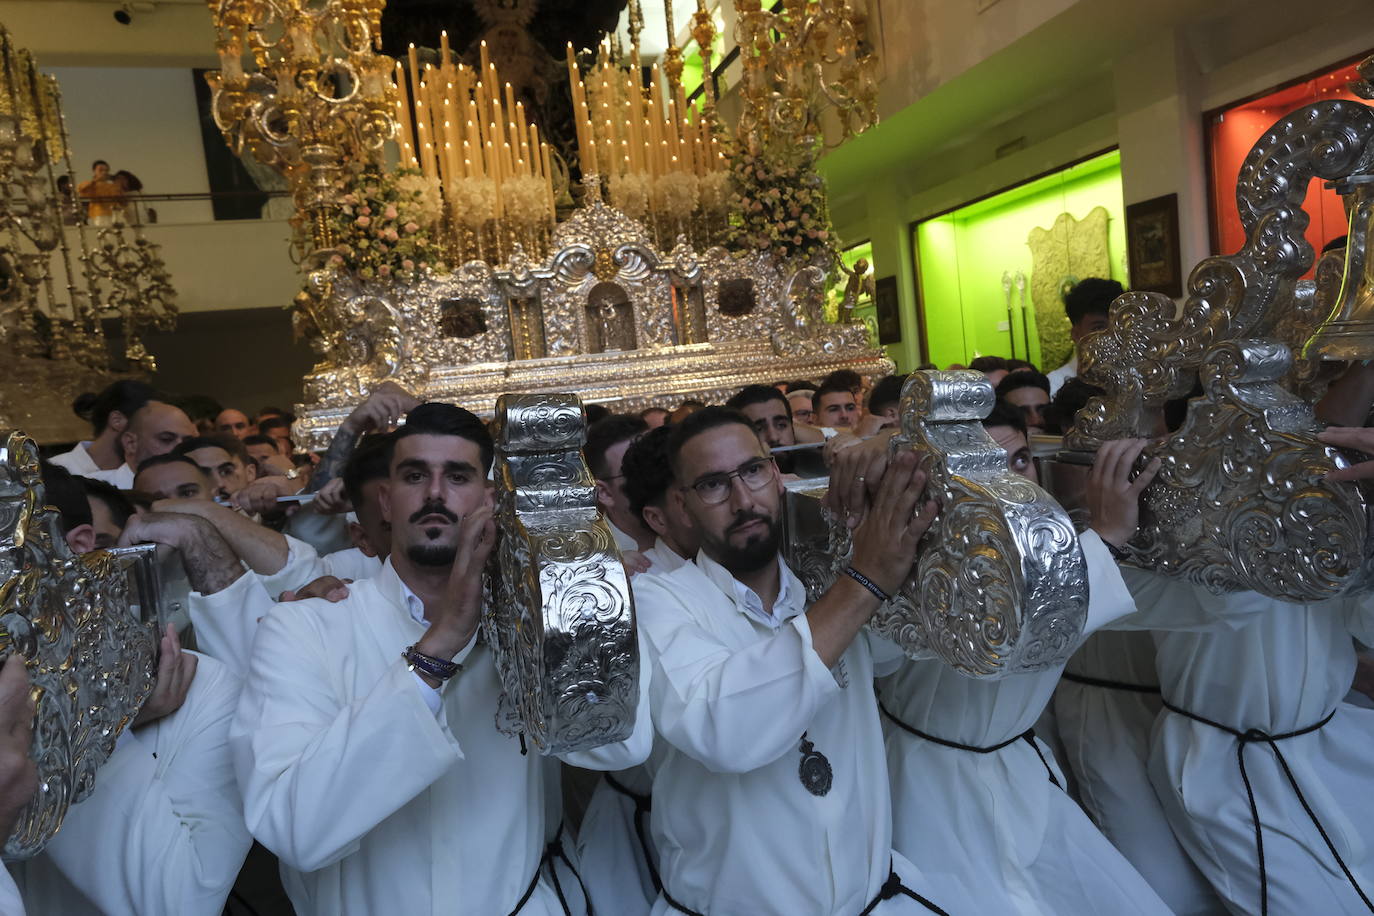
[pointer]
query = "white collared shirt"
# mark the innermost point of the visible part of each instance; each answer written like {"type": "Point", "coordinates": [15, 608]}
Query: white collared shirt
{"type": "Point", "coordinates": [662, 558]}
{"type": "Point", "coordinates": [1061, 375]}
{"type": "Point", "coordinates": [78, 460]}
{"type": "Point", "coordinates": [791, 600]}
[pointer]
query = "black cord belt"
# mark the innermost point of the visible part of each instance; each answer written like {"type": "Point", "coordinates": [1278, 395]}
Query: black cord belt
{"type": "Point", "coordinates": [643, 805]}
{"type": "Point", "coordinates": [555, 851]}
{"type": "Point", "coordinates": [1027, 736]}
{"type": "Point", "coordinates": [892, 887]}
{"type": "Point", "coordinates": [1110, 685]}
{"type": "Point", "coordinates": [529, 892]}
{"type": "Point", "coordinates": [1255, 735]}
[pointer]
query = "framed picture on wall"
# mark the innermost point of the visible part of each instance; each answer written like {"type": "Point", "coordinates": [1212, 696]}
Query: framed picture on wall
{"type": "Point", "coordinates": [1152, 246]}
{"type": "Point", "coordinates": [889, 316]}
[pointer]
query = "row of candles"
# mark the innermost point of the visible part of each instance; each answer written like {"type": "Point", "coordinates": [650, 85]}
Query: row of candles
{"type": "Point", "coordinates": [621, 132]}
{"type": "Point", "coordinates": [466, 125]}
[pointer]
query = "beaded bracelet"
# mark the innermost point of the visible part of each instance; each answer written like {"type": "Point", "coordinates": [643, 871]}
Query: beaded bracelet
{"type": "Point", "coordinates": [427, 664]}
{"type": "Point", "coordinates": [867, 583]}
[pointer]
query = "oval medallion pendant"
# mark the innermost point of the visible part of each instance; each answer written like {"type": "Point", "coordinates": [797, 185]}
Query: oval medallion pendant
{"type": "Point", "coordinates": [814, 770]}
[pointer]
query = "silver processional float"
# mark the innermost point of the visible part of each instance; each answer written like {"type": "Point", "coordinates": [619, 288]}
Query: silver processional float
{"type": "Point", "coordinates": [1241, 502]}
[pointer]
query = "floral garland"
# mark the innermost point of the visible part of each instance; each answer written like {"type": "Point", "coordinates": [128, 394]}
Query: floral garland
{"type": "Point", "coordinates": [387, 225]}
{"type": "Point", "coordinates": [780, 208]}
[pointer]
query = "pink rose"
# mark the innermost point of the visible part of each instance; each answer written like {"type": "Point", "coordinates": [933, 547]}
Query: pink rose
{"type": "Point", "coordinates": [390, 211]}
{"type": "Point", "coordinates": [391, 235]}
{"type": "Point", "coordinates": [363, 221]}
{"type": "Point", "coordinates": [411, 228]}
{"type": "Point", "coordinates": [384, 270]}
{"type": "Point", "coordinates": [408, 264]}
{"type": "Point", "coordinates": [366, 211]}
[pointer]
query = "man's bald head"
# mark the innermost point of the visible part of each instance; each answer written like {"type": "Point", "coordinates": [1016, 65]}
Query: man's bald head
{"type": "Point", "coordinates": [155, 429]}
{"type": "Point", "coordinates": [231, 422]}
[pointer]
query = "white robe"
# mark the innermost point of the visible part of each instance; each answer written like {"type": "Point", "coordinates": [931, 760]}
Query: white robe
{"type": "Point", "coordinates": [304, 565]}
{"type": "Point", "coordinates": [1106, 737]}
{"type": "Point", "coordinates": [77, 460]}
{"type": "Point", "coordinates": [1251, 662]}
{"type": "Point", "coordinates": [227, 621]}
{"type": "Point", "coordinates": [163, 831]}
{"type": "Point", "coordinates": [1021, 843]}
{"type": "Point", "coordinates": [11, 904]}
{"type": "Point", "coordinates": [735, 829]}
{"type": "Point", "coordinates": [372, 802]}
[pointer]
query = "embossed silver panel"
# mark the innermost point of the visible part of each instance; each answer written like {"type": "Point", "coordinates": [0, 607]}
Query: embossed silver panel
{"type": "Point", "coordinates": [561, 618]}
{"type": "Point", "coordinates": [1000, 585]}
{"type": "Point", "coordinates": [91, 662]}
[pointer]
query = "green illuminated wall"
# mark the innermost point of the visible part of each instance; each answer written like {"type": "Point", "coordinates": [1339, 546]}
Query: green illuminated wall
{"type": "Point", "coordinates": [962, 255]}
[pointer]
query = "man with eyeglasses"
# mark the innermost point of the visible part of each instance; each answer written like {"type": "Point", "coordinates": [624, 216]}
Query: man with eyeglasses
{"type": "Point", "coordinates": [772, 795]}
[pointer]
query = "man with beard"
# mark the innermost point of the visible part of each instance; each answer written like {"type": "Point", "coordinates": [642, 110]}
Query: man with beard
{"type": "Point", "coordinates": [365, 741]}
{"type": "Point", "coordinates": [772, 795]}
{"type": "Point", "coordinates": [770, 413]}
{"type": "Point", "coordinates": [153, 429]}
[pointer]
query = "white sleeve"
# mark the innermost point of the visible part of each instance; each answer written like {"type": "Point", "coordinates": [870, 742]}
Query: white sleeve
{"type": "Point", "coordinates": [299, 749]}
{"type": "Point", "coordinates": [1108, 597]}
{"type": "Point", "coordinates": [303, 565]}
{"type": "Point", "coordinates": [11, 904]}
{"type": "Point", "coordinates": [227, 621]}
{"type": "Point", "coordinates": [731, 710]}
{"type": "Point", "coordinates": [434, 697]}
{"type": "Point", "coordinates": [1167, 603]}
{"type": "Point", "coordinates": [163, 831]}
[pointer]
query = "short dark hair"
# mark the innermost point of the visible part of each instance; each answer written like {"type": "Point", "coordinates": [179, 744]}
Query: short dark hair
{"type": "Point", "coordinates": [435, 418]}
{"type": "Point", "coordinates": [648, 473]}
{"type": "Point", "coordinates": [989, 364]}
{"type": "Point", "coordinates": [169, 458]}
{"type": "Point", "coordinates": [750, 395]}
{"type": "Point", "coordinates": [125, 396]}
{"type": "Point", "coordinates": [274, 423]}
{"type": "Point", "coordinates": [198, 406]}
{"type": "Point", "coordinates": [370, 460]}
{"type": "Point", "coordinates": [63, 492]}
{"type": "Point", "coordinates": [596, 412]}
{"type": "Point", "coordinates": [277, 411]}
{"type": "Point", "coordinates": [1026, 379]}
{"type": "Point", "coordinates": [257, 439]}
{"type": "Point", "coordinates": [830, 386]}
{"type": "Point", "coordinates": [120, 506]}
{"type": "Point", "coordinates": [231, 444]}
{"type": "Point", "coordinates": [99, 162]}
{"type": "Point", "coordinates": [704, 420]}
{"type": "Point", "coordinates": [847, 378]}
{"type": "Point", "coordinates": [606, 433]}
{"type": "Point", "coordinates": [1071, 397]}
{"type": "Point", "coordinates": [1090, 296]}
{"type": "Point", "coordinates": [800, 384]}
{"type": "Point", "coordinates": [1013, 364]}
{"type": "Point", "coordinates": [887, 392]}
{"type": "Point", "coordinates": [1004, 414]}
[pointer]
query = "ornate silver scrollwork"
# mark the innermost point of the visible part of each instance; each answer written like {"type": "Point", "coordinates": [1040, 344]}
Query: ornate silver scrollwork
{"type": "Point", "coordinates": [1241, 502]}
{"type": "Point", "coordinates": [91, 660]}
{"type": "Point", "coordinates": [561, 618]}
{"type": "Point", "coordinates": [1000, 585]}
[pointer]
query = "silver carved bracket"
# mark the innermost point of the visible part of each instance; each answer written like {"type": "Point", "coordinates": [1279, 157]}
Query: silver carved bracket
{"type": "Point", "coordinates": [561, 618]}
{"type": "Point", "coordinates": [1241, 501]}
{"type": "Point", "coordinates": [1000, 585]}
{"type": "Point", "coordinates": [74, 618]}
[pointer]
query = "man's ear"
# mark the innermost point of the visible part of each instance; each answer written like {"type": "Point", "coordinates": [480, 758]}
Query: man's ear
{"type": "Point", "coordinates": [81, 539]}
{"type": "Point", "coordinates": [128, 443]}
{"type": "Point", "coordinates": [252, 468]}
{"type": "Point", "coordinates": [358, 535]}
{"type": "Point", "coordinates": [605, 498]}
{"type": "Point", "coordinates": [117, 421]}
{"type": "Point", "coordinates": [654, 518]}
{"type": "Point", "coordinates": [384, 500]}
{"type": "Point", "coordinates": [489, 496]}
{"type": "Point", "coordinates": [679, 500]}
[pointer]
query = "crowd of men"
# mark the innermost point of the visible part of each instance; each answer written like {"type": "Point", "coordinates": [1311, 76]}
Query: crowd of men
{"type": "Point", "coordinates": [323, 735]}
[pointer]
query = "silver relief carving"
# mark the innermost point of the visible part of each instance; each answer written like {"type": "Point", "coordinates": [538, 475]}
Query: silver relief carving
{"type": "Point", "coordinates": [1241, 502]}
{"type": "Point", "coordinates": [561, 618]}
{"type": "Point", "coordinates": [75, 620]}
{"type": "Point", "coordinates": [1000, 584]}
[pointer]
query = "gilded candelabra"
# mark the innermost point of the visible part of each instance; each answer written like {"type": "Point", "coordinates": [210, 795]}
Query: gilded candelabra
{"type": "Point", "coordinates": [302, 89]}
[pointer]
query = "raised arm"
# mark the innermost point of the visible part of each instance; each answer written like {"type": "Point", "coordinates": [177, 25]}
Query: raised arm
{"type": "Point", "coordinates": [382, 410]}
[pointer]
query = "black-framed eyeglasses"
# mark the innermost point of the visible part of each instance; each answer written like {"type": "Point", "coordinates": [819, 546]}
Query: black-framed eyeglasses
{"type": "Point", "coordinates": [714, 489]}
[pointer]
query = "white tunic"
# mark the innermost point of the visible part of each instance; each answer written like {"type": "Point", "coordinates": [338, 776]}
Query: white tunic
{"type": "Point", "coordinates": [1105, 733]}
{"type": "Point", "coordinates": [1023, 845]}
{"type": "Point", "coordinates": [1251, 662]}
{"type": "Point", "coordinates": [121, 477]}
{"type": "Point", "coordinates": [735, 829]}
{"type": "Point", "coordinates": [163, 831]}
{"type": "Point", "coordinates": [373, 803]}
{"type": "Point", "coordinates": [663, 558]}
{"type": "Point", "coordinates": [304, 565]}
{"type": "Point", "coordinates": [10, 902]}
{"type": "Point", "coordinates": [77, 460]}
{"type": "Point", "coordinates": [227, 621]}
